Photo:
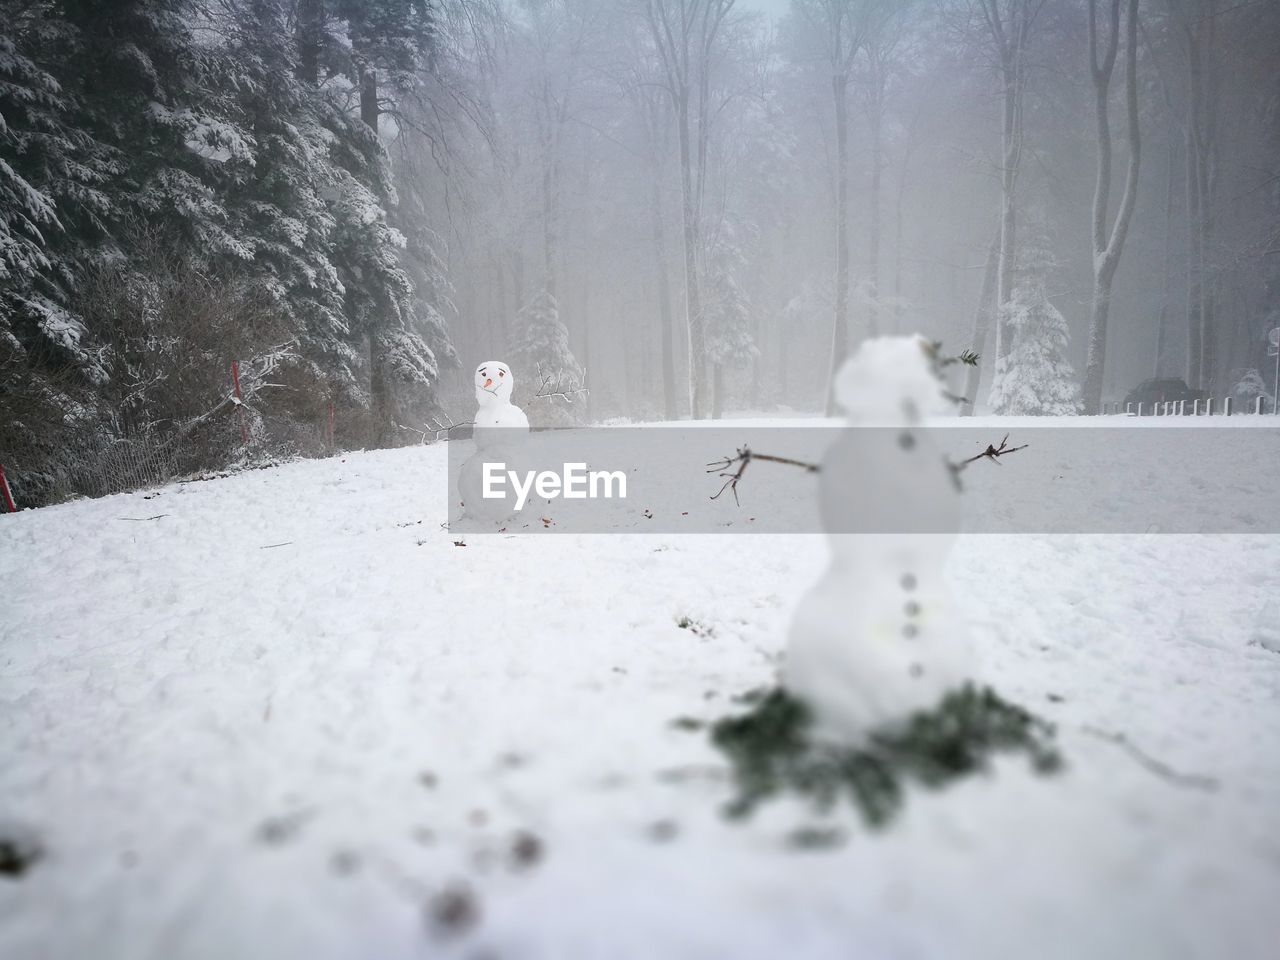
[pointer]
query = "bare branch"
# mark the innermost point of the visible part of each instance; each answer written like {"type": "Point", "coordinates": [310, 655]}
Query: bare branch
{"type": "Point", "coordinates": [991, 453]}
{"type": "Point", "coordinates": [743, 457]}
{"type": "Point", "coordinates": [560, 386]}
{"type": "Point", "coordinates": [733, 468]}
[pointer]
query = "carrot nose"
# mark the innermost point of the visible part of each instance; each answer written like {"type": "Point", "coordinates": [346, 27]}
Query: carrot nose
{"type": "Point", "coordinates": [488, 384]}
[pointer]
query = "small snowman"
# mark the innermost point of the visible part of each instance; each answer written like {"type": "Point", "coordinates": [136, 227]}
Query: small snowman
{"type": "Point", "coordinates": [878, 637]}
{"type": "Point", "coordinates": [498, 420]}
{"type": "Point", "coordinates": [501, 429]}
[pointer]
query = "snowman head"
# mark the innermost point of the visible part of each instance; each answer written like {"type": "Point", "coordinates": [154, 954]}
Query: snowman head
{"type": "Point", "coordinates": [494, 383]}
{"type": "Point", "coordinates": [892, 381]}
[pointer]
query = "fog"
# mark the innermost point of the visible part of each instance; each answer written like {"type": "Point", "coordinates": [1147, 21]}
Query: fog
{"type": "Point", "coordinates": [578, 106]}
{"type": "Point", "coordinates": [650, 209]}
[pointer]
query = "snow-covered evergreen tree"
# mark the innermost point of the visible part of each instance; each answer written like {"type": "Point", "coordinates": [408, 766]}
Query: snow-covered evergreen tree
{"type": "Point", "coordinates": [1034, 378]}
{"type": "Point", "coordinates": [236, 135]}
{"type": "Point", "coordinates": [541, 353]}
{"type": "Point", "coordinates": [726, 314]}
{"type": "Point", "coordinates": [52, 176]}
{"type": "Point", "coordinates": [542, 342]}
{"type": "Point", "coordinates": [728, 318]}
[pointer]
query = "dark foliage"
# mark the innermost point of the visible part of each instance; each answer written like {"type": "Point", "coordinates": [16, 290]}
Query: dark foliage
{"type": "Point", "coordinates": [205, 132]}
{"type": "Point", "coordinates": [772, 750]}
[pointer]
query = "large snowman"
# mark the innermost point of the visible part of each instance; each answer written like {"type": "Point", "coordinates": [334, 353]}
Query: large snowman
{"type": "Point", "coordinates": [500, 431]}
{"type": "Point", "coordinates": [878, 637]}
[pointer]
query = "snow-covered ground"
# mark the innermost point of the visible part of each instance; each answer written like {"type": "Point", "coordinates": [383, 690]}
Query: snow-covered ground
{"type": "Point", "coordinates": [284, 714]}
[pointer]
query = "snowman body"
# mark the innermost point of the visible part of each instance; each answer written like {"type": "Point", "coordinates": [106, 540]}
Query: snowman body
{"type": "Point", "coordinates": [879, 637]}
{"type": "Point", "coordinates": [500, 430]}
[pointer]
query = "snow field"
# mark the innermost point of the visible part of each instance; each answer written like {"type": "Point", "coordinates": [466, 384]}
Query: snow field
{"type": "Point", "coordinates": [291, 718]}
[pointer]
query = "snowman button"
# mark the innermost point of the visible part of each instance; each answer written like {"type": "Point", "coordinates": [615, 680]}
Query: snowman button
{"type": "Point", "coordinates": [908, 581]}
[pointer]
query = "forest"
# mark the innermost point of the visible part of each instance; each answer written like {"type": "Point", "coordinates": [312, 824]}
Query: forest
{"type": "Point", "coordinates": [233, 231]}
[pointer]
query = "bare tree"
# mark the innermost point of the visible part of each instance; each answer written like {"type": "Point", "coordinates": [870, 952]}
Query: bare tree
{"type": "Point", "coordinates": [1107, 247]}
{"type": "Point", "coordinates": [885, 25]}
{"type": "Point", "coordinates": [558, 31]}
{"type": "Point", "coordinates": [1194, 27]}
{"type": "Point", "coordinates": [685, 33]}
{"type": "Point", "coordinates": [843, 25]}
{"type": "Point", "coordinates": [652, 107]}
{"type": "Point", "coordinates": [1008, 26]}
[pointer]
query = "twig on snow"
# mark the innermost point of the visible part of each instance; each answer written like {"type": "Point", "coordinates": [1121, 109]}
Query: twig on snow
{"type": "Point", "coordinates": [1196, 781]}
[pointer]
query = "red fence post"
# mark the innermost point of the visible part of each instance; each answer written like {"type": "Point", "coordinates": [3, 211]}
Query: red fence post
{"type": "Point", "coordinates": [235, 383]}
{"type": "Point", "coordinates": [4, 489]}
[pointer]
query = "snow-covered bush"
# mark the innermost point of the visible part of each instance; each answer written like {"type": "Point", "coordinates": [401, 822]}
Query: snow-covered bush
{"type": "Point", "coordinates": [1249, 387]}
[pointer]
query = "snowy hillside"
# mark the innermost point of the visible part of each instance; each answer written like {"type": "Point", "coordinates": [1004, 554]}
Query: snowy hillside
{"type": "Point", "coordinates": [284, 714]}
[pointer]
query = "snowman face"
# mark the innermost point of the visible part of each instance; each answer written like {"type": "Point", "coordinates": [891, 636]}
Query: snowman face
{"type": "Point", "coordinates": [890, 381]}
{"type": "Point", "coordinates": [494, 382]}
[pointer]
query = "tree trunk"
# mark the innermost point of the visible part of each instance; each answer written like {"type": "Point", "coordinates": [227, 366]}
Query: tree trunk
{"type": "Point", "coordinates": [669, 408]}
{"type": "Point", "coordinates": [1009, 143]}
{"type": "Point", "coordinates": [692, 301]}
{"type": "Point", "coordinates": [310, 34]}
{"type": "Point", "coordinates": [982, 317]}
{"type": "Point", "coordinates": [1195, 263]}
{"type": "Point", "coordinates": [1011, 158]}
{"type": "Point", "coordinates": [501, 313]}
{"type": "Point", "coordinates": [897, 256]}
{"type": "Point", "coordinates": [379, 386]}
{"type": "Point", "coordinates": [717, 393]}
{"type": "Point", "coordinates": [873, 218]}
{"type": "Point", "coordinates": [784, 364]}
{"type": "Point", "coordinates": [1107, 249]}
{"type": "Point", "coordinates": [549, 215]}
{"type": "Point", "coordinates": [586, 338]}
{"type": "Point", "coordinates": [1162, 320]}
{"type": "Point", "coordinates": [517, 280]}
{"type": "Point", "coordinates": [840, 317]}
{"type": "Point", "coordinates": [1206, 139]}
{"type": "Point", "coordinates": [757, 364]}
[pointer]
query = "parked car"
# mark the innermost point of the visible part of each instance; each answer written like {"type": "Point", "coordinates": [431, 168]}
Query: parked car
{"type": "Point", "coordinates": [1161, 389]}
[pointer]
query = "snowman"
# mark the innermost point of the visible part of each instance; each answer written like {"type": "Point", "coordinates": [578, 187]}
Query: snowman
{"type": "Point", "coordinates": [498, 420]}
{"type": "Point", "coordinates": [501, 429]}
{"type": "Point", "coordinates": [878, 637]}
